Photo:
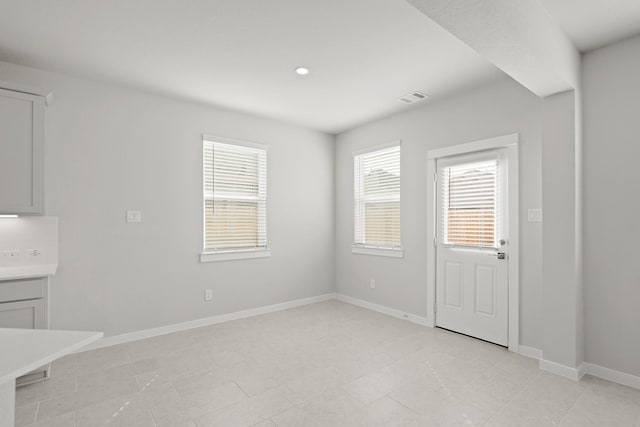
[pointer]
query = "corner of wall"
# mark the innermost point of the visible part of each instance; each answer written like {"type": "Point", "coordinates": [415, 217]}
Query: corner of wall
{"type": "Point", "coordinates": [334, 286]}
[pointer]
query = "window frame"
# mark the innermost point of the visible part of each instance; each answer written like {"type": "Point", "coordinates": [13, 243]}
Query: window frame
{"type": "Point", "coordinates": [370, 249]}
{"type": "Point", "coordinates": [228, 254]}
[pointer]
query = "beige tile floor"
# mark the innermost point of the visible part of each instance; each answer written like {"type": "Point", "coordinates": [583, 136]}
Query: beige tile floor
{"type": "Point", "coordinates": [326, 364]}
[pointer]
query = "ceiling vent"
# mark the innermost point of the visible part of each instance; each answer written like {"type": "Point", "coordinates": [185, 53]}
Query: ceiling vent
{"type": "Point", "coordinates": [413, 98]}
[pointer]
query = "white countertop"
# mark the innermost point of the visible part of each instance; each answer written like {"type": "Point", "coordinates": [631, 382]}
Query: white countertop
{"type": "Point", "coordinates": [23, 350]}
{"type": "Point", "coordinates": [26, 271]}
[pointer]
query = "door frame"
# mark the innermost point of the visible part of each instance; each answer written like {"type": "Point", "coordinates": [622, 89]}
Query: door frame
{"type": "Point", "coordinates": [510, 143]}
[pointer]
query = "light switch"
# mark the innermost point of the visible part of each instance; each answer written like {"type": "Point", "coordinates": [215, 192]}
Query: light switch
{"type": "Point", "coordinates": [134, 216]}
{"type": "Point", "coordinates": [534, 215]}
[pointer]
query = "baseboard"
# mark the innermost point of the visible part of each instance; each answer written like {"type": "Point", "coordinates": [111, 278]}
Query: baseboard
{"type": "Point", "coordinates": [414, 318]}
{"type": "Point", "coordinates": [585, 368]}
{"type": "Point", "coordinates": [612, 375]}
{"type": "Point", "coordinates": [574, 374]}
{"type": "Point", "coordinates": [532, 352]}
{"type": "Point", "coordinates": [177, 327]}
{"type": "Point", "coordinates": [207, 321]}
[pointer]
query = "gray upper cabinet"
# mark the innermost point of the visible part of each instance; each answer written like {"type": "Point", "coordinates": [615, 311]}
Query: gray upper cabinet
{"type": "Point", "coordinates": [21, 153]}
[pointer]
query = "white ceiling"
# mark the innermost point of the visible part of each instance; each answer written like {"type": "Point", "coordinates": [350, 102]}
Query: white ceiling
{"type": "Point", "coordinates": [240, 54]}
{"type": "Point", "coordinates": [594, 23]}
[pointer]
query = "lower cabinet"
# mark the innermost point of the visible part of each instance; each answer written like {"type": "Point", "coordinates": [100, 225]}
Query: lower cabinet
{"type": "Point", "coordinates": [16, 312]}
{"type": "Point", "coordinates": [29, 314]}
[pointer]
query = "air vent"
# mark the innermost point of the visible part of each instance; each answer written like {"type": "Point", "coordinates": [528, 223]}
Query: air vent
{"type": "Point", "coordinates": [413, 98]}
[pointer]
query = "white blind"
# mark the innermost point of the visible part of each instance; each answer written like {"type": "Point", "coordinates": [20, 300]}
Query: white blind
{"type": "Point", "coordinates": [469, 204]}
{"type": "Point", "coordinates": [235, 197]}
{"type": "Point", "coordinates": [377, 198]}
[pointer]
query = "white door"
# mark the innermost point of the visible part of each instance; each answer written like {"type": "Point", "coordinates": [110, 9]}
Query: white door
{"type": "Point", "coordinates": [472, 246]}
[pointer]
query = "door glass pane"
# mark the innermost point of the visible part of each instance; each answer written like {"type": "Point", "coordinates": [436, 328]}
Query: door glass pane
{"type": "Point", "coordinates": [469, 204]}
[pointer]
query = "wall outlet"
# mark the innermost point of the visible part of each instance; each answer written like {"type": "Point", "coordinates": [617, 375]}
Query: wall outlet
{"type": "Point", "coordinates": [134, 216]}
{"type": "Point", "coordinates": [33, 253]}
{"type": "Point", "coordinates": [372, 283]}
{"type": "Point", "coordinates": [12, 254]}
{"type": "Point", "coordinates": [208, 294]}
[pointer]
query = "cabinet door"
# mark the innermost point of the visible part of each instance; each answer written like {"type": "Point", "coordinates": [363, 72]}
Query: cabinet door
{"type": "Point", "coordinates": [29, 314]}
{"type": "Point", "coordinates": [21, 153]}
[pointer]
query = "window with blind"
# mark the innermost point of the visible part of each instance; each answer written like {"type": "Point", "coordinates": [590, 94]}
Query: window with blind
{"type": "Point", "coordinates": [469, 204]}
{"type": "Point", "coordinates": [377, 198]}
{"type": "Point", "coordinates": [235, 196]}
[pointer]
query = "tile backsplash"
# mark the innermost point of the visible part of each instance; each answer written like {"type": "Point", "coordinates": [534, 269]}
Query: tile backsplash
{"type": "Point", "coordinates": [28, 241]}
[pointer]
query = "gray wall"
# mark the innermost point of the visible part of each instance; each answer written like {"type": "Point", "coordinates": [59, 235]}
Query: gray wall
{"type": "Point", "coordinates": [501, 108]}
{"type": "Point", "coordinates": [110, 149]}
{"type": "Point", "coordinates": [561, 287]}
{"type": "Point", "coordinates": [611, 206]}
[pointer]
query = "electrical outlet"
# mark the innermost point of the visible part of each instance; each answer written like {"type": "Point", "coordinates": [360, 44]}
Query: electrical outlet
{"type": "Point", "coordinates": [208, 294]}
{"type": "Point", "coordinates": [12, 254]}
{"type": "Point", "coordinates": [372, 283]}
{"type": "Point", "coordinates": [33, 253]}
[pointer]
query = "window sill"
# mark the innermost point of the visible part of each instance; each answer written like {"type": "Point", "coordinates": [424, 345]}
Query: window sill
{"type": "Point", "coordinates": [369, 250]}
{"type": "Point", "coordinates": [234, 255]}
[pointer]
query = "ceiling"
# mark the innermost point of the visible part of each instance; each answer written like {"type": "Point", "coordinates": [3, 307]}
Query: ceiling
{"type": "Point", "coordinates": [595, 23]}
{"type": "Point", "coordinates": [241, 54]}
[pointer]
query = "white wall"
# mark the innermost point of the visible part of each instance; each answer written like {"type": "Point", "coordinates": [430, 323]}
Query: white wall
{"type": "Point", "coordinates": [110, 149]}
{"type": "Point", "coordinates": [501, 108]}
{"type": "Point", "coordinates": [611, 206]}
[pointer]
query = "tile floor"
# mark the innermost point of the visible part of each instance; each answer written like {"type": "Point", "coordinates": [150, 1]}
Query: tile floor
{"type": "Point", "coordinates": [326, 364]}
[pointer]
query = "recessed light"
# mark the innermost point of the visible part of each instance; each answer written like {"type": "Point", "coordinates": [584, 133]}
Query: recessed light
{"type": "Point", "coordinates": [302, 71]}
{"type": "Point", "coordinates": [8, 216]}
